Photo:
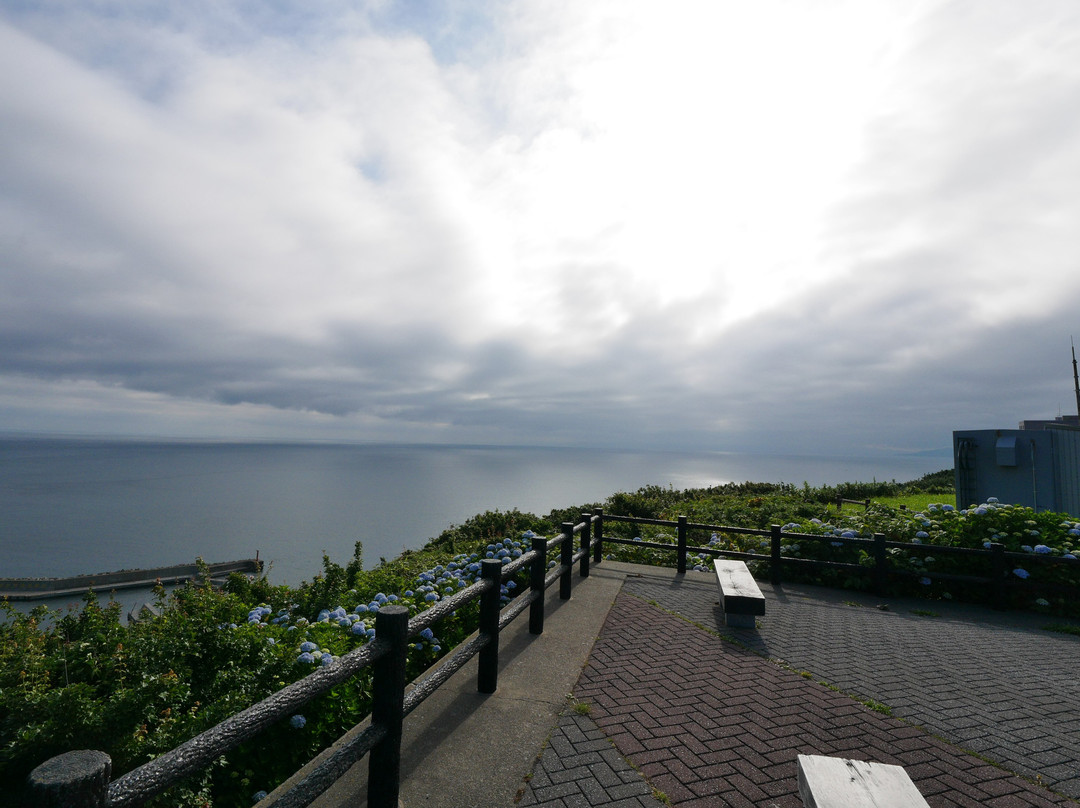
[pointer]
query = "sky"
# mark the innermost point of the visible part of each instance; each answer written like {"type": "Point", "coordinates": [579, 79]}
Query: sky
{"type": "Point", "coordinates": [836, 227]}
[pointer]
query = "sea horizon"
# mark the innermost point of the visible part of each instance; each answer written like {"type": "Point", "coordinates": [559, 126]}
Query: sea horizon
{"type": "Point", "coordinates": [88, 504]}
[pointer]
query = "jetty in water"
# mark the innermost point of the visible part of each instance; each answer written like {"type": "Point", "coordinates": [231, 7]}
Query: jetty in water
{"type": "Point", "coordinates": [37, 588]}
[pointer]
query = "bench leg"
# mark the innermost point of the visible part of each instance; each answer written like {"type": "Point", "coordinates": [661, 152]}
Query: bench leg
{"type": "Point", "coordinates": [740, 620]}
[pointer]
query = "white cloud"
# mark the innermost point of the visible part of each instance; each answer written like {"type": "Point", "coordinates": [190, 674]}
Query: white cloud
{"type": "Point", "coordinates": [757, 224]}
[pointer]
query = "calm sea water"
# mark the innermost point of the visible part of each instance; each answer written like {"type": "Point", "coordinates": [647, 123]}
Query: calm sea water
{"type": "Point", "coordinates": [69, 507]}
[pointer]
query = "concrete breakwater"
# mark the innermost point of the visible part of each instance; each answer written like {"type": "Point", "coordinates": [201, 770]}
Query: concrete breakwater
{"type": "Point", "coordinates": [36, 588]}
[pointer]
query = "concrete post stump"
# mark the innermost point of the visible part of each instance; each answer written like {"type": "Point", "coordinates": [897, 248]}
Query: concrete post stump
{"type": "Point", "coordinates": [77, 779]}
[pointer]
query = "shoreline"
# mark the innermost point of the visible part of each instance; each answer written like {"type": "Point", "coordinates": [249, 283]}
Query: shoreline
{"type": "Point", "coordinates": [43, 588]}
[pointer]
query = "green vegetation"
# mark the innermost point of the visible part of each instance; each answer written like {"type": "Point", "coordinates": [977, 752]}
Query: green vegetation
{"type": "Point", "coordinates": [1063, 628]}
{"type": "Point", "coordinates": [84, 680]}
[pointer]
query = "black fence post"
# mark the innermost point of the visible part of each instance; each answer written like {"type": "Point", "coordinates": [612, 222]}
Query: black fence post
{"type": "Point", "coordinates": [598, 535]}
{"type": "Point", "coordinates": [586, 538]}
{"type": "Point", "coordinates": [488, 677]}
{"type": "Point", "coordinates": [387, 706]}
{"type": "Point", "coordinates": [775, 557]}
{"type": "Point", "coordinates": [881, 564]}
{"type": "Point", "coordinates": [537, 573]}
{"type": "Point", "coordinates": [681, 564]}
{"type": "Point", "coordinates": [77, 779]}
{"type": "Point", "coordinates": [999, 574]}
{"type": "Point", "coordinates": [567, 560]}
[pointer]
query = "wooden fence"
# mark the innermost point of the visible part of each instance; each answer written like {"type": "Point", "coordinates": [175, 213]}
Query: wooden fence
{"type": "Point", "coordinates": [1000, 561]}
{"type": "Point", "coordinates": [81, 779]}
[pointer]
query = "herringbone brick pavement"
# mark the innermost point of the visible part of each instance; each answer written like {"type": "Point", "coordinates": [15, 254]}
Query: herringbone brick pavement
{"type": "Point", "coordinates": [711, 723]}
{"type": "Point", "coordinates": [994, 683]}
{"type": "Point", "coordinates": [580, 767]}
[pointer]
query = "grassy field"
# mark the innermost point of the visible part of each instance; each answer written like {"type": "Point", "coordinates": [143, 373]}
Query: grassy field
{"type": "Point", "coordinates": [913, 502]}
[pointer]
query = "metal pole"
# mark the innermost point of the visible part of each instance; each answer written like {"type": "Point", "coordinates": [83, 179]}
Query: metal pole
{"type": "Point", "coordinates": [1076, 380]}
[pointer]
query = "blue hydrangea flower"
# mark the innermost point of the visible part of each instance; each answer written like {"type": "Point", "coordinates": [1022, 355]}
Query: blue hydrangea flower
{"type": "Point", "coordinates": [306, 658]}
{"type": "Point", "coordinates": [327, 659]}
{"type": "Point", "coordinates": [1020, 573]}
{"type": "Point", "coordinates": [258, 795]}
{"type": "Point", "coordinates": [924, 581]}
{"type": "Point", "coordinates": [359, 628]}
{"type": "Point", "coordinates": [1042, 548]}
{"type": "Point", "coordinates": [308, 646]}
{"type": "Point", "coordinates": [427, 634]}
{"type": "Point", "coordinates": [298, 721]}
{"type": "Point", "coordinates": [922, 534]}
{"type": "Point", "coordinates": [431, 597]}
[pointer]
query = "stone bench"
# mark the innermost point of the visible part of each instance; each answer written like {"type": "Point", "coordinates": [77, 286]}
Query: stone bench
{"type": "Point", "coordinates": [739, 594]}
{"type": "Point", "coordinates": [833, 782]}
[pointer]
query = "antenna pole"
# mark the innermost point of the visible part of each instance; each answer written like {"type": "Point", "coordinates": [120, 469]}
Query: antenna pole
{"type": "Point", "coordinates": [1076, 379]}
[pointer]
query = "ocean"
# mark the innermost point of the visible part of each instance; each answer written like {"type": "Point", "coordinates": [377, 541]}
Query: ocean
{"type": "Point", "coordinates": [70, 507]}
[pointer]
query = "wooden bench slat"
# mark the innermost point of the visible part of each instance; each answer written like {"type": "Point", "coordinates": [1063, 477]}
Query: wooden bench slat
{"type": "Point", "coordinates": [834, 782]}
{"type": "Point", "coordinates": [740, 596]}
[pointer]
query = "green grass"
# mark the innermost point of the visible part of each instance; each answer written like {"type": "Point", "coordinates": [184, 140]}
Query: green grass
{"type": "Point", "coordinates": [915, 502]}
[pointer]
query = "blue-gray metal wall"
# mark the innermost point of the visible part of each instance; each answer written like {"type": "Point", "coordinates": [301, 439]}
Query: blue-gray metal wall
{"type": "Point", "coordinates": [1037, 468]}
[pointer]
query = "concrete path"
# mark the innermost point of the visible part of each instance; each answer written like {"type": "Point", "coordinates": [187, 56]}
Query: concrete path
{"type": "Point", "coordinates": [674, 708]}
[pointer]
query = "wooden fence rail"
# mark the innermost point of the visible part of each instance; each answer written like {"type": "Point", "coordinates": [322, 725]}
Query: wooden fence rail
{"type": "Point", "coordinates": [81, 779]}
{"type": "Point", "coordinates": [1001, 561]}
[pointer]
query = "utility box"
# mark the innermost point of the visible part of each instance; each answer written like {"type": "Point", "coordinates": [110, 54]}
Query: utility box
{"type": "Point", "coordinates": [1038, 467]}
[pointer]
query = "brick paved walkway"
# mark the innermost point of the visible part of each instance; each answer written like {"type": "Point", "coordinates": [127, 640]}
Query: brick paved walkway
{"type": "Point", "coordinates": [711, 723]}
{"type": "Point", "coordinates": [581, 767]}
{"type": "Point", "coordinates": [995, 683]}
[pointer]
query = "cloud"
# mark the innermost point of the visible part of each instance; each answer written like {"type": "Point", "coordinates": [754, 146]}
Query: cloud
{"type": "Point", "coordinates": [828, 228]}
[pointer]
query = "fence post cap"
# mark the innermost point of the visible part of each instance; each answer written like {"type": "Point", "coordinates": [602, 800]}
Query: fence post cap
{"type": "Point", "coordinates": [70, 766]}
{"type": "Point", "coordinates": [78, 778]}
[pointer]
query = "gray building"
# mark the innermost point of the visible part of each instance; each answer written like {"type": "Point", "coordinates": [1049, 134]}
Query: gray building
{"type": "Point", "coordinates": [1037, 465]}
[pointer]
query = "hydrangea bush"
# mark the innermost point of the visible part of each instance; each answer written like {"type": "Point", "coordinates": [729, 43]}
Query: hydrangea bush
{"type": "Point", "coordinates": [1036, 535]}
{"type": "Point", "coordinates": [82, 679]}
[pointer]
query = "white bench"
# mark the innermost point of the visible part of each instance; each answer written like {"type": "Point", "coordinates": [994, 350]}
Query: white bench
{"type": "Point", "coordinates": [833, 782]}
{"type": "Point", "coordinates": [739, 594]}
